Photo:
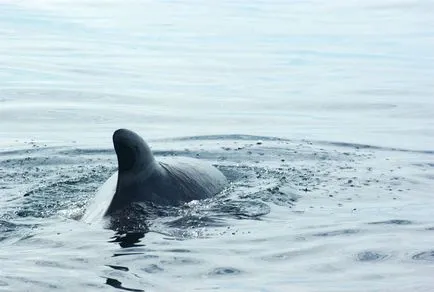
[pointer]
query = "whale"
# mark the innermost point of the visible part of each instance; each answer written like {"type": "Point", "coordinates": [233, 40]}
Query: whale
{"type": "Point", "coordinates": [142, 178]}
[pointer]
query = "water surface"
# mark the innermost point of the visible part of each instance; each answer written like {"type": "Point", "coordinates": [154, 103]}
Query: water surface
{"type": "Point", "coordinates": [321, 114]}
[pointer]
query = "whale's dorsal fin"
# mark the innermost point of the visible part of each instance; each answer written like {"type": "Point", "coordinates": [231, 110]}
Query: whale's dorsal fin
{"type": "Point", "coordinates": [132, 151]}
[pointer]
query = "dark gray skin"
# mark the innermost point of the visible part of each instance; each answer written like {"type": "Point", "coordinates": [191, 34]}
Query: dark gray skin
{"type": "Point", "coordinates": [141, 178]}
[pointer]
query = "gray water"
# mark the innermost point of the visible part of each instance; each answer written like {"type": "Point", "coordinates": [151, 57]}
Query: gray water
{"type": "Point", "coordinates": [321, 114]}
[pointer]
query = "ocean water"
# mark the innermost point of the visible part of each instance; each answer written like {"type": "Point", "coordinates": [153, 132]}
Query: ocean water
{"type": "Point", "coordinates": [320, 113]}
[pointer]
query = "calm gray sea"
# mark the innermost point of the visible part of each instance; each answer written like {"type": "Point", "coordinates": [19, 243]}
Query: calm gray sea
{"type": "Point", "coordinates": [321, 114]}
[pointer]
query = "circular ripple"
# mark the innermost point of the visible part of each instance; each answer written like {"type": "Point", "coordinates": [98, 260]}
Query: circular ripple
{"type": "Point", "coordinates": [223, 271]}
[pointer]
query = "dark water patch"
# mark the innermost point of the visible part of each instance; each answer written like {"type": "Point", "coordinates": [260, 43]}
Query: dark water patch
{"type": "Point", "coordinates": [224, 271]}
{"type": "Point", "coordinates": [392, 222]}
{"type": "Point", "coordinates": [424, 256]}
{"type": "Point", "coordinates": [119, 268]}
{"type": "Point", "coordinates": [130, 239]}
{"type": "Point", "coordinates": [430, 228]}
{"type": "Point", "coordinates": [138, 217]}
{"type": "Point", "coordinates": [133, 223]}
{"type": "Point", "coordinates": [179, 250]}
{"type": "Point", "coordinates": [337, 232]}
{"type": "Point", "coordinates": [118, 285]}
{"type": "Point", "coordinates": [121, 254]}
{"type": "Point", "coordinates": [371, 256]}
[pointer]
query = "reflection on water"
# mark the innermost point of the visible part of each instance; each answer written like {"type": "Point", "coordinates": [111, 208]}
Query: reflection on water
{"type": "Point", "coordinates": [118, 285]}
{"type": "Point", "coordinates": [130, 239]}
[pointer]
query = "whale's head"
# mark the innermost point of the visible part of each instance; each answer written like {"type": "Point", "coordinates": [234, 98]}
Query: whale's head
{"type": "Point", "coordinates": [132, 151]}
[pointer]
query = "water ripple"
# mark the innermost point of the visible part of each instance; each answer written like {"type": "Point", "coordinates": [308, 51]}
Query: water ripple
{"type": "Point", "coordinates": [120, 268]}
{"type": "Point", "coordinates": [224, 271]}
{"type": "Point", "coordinates": [424, 256]}
{"type": "Point", "coordinates": [153, 268]}
{"type": "Point", "coordinates": [392, 222]}
{"type": "Point", "coordinates": [337, 232]}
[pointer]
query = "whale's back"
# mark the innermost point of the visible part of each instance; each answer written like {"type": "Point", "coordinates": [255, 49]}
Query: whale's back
{"type": "Point", "coordinates": [194, 179]}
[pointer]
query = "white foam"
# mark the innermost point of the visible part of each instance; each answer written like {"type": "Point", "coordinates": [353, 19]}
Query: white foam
{"type": "Point", "coordinates": [95, 210]}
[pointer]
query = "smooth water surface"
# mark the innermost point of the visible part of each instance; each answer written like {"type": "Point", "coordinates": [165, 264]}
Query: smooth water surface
{"type": "Point", "coordinates": [321, 114]}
